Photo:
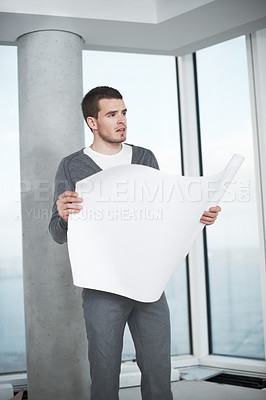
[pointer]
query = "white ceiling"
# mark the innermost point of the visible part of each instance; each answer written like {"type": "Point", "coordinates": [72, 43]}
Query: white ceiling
{"type": "Point", "coordinates": [147, 11]}
{"type": "Point", "coordinates": [173, 27]}
{"type": "Point", "coordinates": [166, 9]}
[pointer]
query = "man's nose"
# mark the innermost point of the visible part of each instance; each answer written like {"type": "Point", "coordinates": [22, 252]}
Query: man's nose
{"type": "Point", "coordinates": [121, 119]}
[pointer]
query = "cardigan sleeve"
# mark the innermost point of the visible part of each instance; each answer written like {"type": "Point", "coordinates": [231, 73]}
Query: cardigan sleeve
{"type": "Point", "coordinates": [153, 160]}
{"type": "Point", "coordinates": [57, 225]}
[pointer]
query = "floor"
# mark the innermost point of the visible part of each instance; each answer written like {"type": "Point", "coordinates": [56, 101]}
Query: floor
{"type": "Point", "coordinates": [201, 390]}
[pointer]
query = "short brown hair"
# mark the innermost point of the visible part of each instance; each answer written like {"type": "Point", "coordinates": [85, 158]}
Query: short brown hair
{"type": "Point", "coordinates": [90, 102]}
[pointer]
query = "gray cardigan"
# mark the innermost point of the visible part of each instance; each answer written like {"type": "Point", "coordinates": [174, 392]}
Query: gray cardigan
{"type": "Point", "coordinates": [78, 166]}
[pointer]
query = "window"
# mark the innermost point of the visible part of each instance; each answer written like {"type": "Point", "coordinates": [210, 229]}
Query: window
{"type": "Point", "coordinates": [236, 322]}
{"type": "Point", "coordinates": [148, 86]}
{"type": "Point", "coordinates": [12, 330]}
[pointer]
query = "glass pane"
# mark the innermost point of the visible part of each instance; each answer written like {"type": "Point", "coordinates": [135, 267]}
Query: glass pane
{"type": "Point", "coordinates": [148, 86]}
{"type": "Point", "coordinates": [233, 243]}
{"type": "Point", "coordinates": [12, 329]}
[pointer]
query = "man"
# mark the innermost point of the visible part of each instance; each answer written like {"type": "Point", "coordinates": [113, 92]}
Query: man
{"type": "Point", "coordinates": [105, 313]}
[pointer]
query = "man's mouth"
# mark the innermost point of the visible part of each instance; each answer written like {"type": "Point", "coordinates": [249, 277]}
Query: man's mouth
{"type": "Point", "coordinates": [121, 129]}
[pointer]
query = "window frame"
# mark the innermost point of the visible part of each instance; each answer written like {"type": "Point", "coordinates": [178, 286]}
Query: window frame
{"type": "Point", "coordinates": [256, 54]}
{"type": "Point", "coordinates": [190, 131]}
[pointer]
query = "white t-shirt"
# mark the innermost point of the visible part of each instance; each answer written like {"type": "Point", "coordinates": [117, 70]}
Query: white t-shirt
{"type": "Point", "coordinates": [106, 161]}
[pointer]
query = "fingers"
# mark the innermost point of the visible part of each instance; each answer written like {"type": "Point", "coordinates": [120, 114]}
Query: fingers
{"type": "Point", "coordinates": [209, 217]}
{"type": "Point", "coordinates": [65, 204]}
{"type": "Point", "coordinates": [68, 196]}
{"type": "Point", "coordinates": [208, 220]}
{"type": "Point", "coordinates": [215, 209]}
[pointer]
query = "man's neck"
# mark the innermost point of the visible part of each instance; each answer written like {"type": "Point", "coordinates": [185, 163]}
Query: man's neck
{"type": "Point", "coordinates": [106, 148]}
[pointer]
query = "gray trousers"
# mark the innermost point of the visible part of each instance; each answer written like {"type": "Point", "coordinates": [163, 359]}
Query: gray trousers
{"type": "Point", "coordinates": [106, 315]}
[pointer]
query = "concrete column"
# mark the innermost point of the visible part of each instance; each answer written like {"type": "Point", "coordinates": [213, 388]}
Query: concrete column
{"type": "Point", "coordinates": [51, 126]}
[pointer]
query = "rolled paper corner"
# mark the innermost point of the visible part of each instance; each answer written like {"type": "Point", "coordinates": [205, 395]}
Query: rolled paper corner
{"type": "Point", "coordinates": [230, 172]}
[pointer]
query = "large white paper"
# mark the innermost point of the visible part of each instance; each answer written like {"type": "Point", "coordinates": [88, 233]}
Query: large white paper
{"type": "Point", "coordinates": [137, 226]}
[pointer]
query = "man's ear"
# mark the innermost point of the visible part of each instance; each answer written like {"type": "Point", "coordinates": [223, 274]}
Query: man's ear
{"type": "Point", "coordinates": [92, 123]}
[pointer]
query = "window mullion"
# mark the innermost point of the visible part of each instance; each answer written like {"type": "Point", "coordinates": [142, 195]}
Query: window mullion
{"type": "Point", "coordinates": [191, 167]}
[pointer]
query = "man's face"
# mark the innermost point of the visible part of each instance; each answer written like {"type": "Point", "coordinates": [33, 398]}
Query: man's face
{"type": "Point", "coordinates": [111, 124]}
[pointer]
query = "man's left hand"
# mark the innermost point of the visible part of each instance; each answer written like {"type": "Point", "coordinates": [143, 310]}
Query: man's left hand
{"type": "Point", "coordinates": [209, 217]}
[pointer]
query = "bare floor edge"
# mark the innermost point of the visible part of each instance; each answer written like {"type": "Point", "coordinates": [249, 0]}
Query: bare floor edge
{"type": "Point", "coordinates": [197, 390]}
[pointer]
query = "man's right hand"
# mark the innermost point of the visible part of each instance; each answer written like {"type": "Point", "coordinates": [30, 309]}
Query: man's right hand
{"type": "Point", "coordinates": [65, 204]}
